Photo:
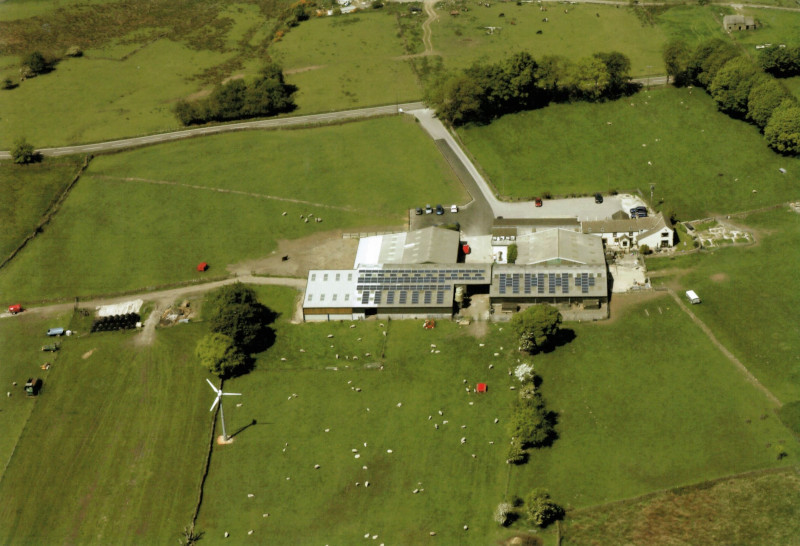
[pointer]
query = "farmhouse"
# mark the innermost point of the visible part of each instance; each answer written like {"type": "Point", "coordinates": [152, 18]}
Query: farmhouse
{"type": "Point", "coordinates": [738, 22]}
{"type": "Point", "coordinates": [417, 274]}
{"type": "Point", "coordinates": [627, 233]}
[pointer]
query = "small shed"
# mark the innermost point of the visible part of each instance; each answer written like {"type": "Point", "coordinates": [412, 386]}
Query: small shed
{"type": "Point", "coordinates": [14, 309]}
{"type": "Point", "coordinates": [738, 22]}
{"type": "Point", "coordinates": [202, 266]}
{"type": "Point", "coordinates": [482, 387]}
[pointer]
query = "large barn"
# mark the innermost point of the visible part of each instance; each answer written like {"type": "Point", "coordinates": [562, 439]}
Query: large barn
{"type": "Point", "coordinates": [416, 275]}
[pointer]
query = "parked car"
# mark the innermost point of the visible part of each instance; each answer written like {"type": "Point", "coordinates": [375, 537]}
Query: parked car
{"type": "Point", "coordinates": [538, 202]}
{"type": "Point", "coordinates": [55, 332]}
{"type": "Point", "coordinates": [51, 347]}
{"type": "Point", "coordinates": [439, 210]}
{"type": "Point", "coordinates": [418, 211]}
{"type": "Point", "coordinates": [639, 212]}
{"type": "Point", "coordinates": [428, 209]}
{"type": "Point", "coordinates": [598, 198]}
{"type": "Point", "coordinates": [14, 309]}
{"type": "Point", "coordinates": [454, 208]}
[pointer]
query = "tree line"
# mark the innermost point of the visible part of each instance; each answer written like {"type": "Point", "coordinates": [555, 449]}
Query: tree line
{"type": "Point", "coordinates": [741, 89]}
{"type": "Point", "coordinates": [484, 92]}
{"type": "Point", "coordinates": [267, 95]}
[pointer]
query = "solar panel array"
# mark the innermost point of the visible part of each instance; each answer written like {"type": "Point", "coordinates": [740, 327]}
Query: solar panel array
{"type": "Point", "coordinates": [415, 286]}
{"type": "Point", "coordinates": [541, 283]}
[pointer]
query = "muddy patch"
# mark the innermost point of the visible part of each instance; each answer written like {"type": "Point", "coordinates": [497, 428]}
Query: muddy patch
{"type": "Point", "coordinates": [719, 277]}
{"type": "Point", "coordinates": [87, 354]}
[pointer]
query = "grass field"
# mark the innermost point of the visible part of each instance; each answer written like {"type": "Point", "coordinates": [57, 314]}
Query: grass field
{"type": "Point", "coordinates": [346, 62]}
{"type": "Point", "coordinates": [27, 193]}
{"type": "Point", "coordinates": [115, 234]}
{"type": "Point", "coordinates": [581, 31]}
{"type": "Point", "coordinates": [747, 298]}
{"type": "Point", "coordinates": [700, 160]}
{"type": "Point", "coordinates": [794, 85]}
{"type": "Point", "coordinates": [646, 403]}
{"type": "Point", "coordinates": [114, 447]}
{"type": "Point", "coordinates": [777, 27]}
{"type": "Point", "coordinates": [762, 509]}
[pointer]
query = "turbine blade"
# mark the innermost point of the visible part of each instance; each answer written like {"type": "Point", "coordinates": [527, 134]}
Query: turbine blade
{"type": "Point", "coordinates": [215, 403]}
{"type": "Point", "coordinates": [232, 393]}
{"type": "Point", "coordinates": [216, 390]}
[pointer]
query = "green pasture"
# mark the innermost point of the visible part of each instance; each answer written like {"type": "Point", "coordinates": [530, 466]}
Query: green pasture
{"type": "Point", "coordinates": [793, 84]}
{"type": "Point", "coordinates": [148, 216]}
{"type": "Point", "coordinates": [645, 403]}
{"type": "Point", "coordinates": [700, 160]}
{"type": "Point", "coordinates": [21, 339]}
{"type": "Point", "coordinates": [777, 27]}
{"type": "Point", "coordinates": [345, 62]}
{"type": "Point", "coordinates": [760, 509]}
{"type": "Point", "coordinates": [691, 23]}
{"type": "Point", "coordinates": [582, 31]}
{"type": "Point", "coordinates": [114, 447]}
{"type": "Point", "coordinates": [748, 299]}
{"type": "Point", "coordinates": [27, 192]}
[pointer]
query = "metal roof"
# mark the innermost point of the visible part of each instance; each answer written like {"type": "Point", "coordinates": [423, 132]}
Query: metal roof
{"type": "Point", "coordinates": [428, 245]}
{"type": "Point", "coordinates": [561, 281]}
{"type": "Point", "coordinates": [559, 246]}
{"type": "Point", "coordinates": [636, 225]}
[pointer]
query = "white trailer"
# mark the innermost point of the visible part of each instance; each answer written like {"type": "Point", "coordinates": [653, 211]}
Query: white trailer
{"type": "Point", "coordinates": [693, 297]}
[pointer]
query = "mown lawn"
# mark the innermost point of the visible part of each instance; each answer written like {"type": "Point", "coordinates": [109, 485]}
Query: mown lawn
{"type": "Point", "coordinates": [748, 298]}
{"type": "Point", "coordinates": [345, 62]}
{"type": "Point", "coordinates": [645, 403]}
{"type": "Point", "coordinates": [114, 447]}
{"type": "Point", "coordinates": [699, 160]}
{"type": "Point", "coordinates": [114, 234]}
{"type": "Point", "coordinates": [27, 193]}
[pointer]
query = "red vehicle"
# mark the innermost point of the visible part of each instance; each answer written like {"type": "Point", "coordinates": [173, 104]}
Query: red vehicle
{"type": "Point", "coordinates": [538, 202]}
{"type": "Point", "coordinates": [14, 309]}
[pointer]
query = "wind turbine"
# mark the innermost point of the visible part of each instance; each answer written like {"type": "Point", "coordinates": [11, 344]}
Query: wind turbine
{"type": "Point", "coordinates": [218, 399]}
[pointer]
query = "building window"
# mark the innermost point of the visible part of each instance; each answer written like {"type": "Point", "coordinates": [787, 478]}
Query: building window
{"type": "Point", "coordinates": [313, 277]}
{"type": "Point", "coordinates": [349, 276]}
{"type": "Point", "coordinates": [337, 276]}
{"type": "Point", "coordinates": [334, 297]}
{"type": "Point", "coordinates": [322, 297]}
{"type": "Point", "coordinates": [347, 297]}
{"type": "Point", "coordinates": [325, 277]}
{"type": "Point", "coordinates": [310, 297]}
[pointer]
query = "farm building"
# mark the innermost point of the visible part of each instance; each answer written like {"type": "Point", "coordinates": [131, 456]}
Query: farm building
{"type": "Point", "coordinates": [555, 266]}
{"type": "Point", "coordinates": [631, 232]}
{"type": "Point", "coordinates": [431, 245]}
{"type": "Point", "coordinates": [738, 22]}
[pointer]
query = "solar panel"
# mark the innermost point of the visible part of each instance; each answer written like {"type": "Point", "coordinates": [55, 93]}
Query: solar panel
{"type": "Point", "coordinates": [377, 297]}
{"type": "Point", "coordinates": [403, 296]}
{"type": "Point", "coordinates": [440, 298]}
{"type": "Point", "coordinates": [365, 298]}
{"type": "Point", "coordinates": [427, 298]}
{"type": "Point", "coordinates": [390, 297]}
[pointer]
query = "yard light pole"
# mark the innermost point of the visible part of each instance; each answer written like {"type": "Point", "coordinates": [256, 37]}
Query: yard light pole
{"type": "Point", "coordinates": [652, 188]}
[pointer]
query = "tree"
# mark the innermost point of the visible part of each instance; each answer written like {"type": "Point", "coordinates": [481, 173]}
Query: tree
{"type": "Point", "coordinates": [541, 509]}
{"type": "Point", "coordinates": [512, 253]}
{"type": "Point", "coordinates": [23, 152]}
{"type": "Point", "coordinates": [552, 75]}
{"type": "Point", "coordinates": [504, 513]}
{"type": "Point", "coordinates": [731, 86]}
{"type": "Point", "coordinates": [219, 354]}
{"type": "Point", "coordinates": [676, 61]}
{"type": "Point", "coordinates": [781, 62]}
{"type": "Point", "coordinates": [618, 67]}
{"type": "Point", "coordinates": [234, 310]}
{"type": "Point", "coordinates": [764, 98]}
{"type": "Point", "coordinates": [590, 78]}
{"type": "Point", "coordinates": [536, 327]}
{"type": "Point", "coordinates": [708, 58]}
{"type": "Point", "coordinates": [783, 128]}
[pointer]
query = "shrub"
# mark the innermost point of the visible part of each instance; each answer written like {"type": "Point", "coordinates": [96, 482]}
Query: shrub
{"type": "Point", "coordinates": [503, 513]}
{"type": "Point", "coordinates": [23, 152]}
{"type": "Point", "coordinates": [541, 510]}
{"type": "Point", "coordinates": [644, 249]}
{"type": "Point", "coordinates": [516, 453]}
{"type": "Point", "coordinates": [512, 253]}
{"type": "Point", "coordinates": [219, 354]}
{"type": "Point", "coordinates": [783, 129]}
{"type": "Point", "coordinates": [531, 424]}
{"type": "Point", "coordinates": [74, 51]}
{"type": "Point", "coordinates": [33, 64]}
{"type": "Point", "coordinates": [537, 327]}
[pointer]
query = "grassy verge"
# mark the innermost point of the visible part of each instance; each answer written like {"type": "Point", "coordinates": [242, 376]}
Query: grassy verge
{"type": "Point", "coordinates": [760, 509]}
{"type": "Point", "coordinates": [28, 191]}
{"type": "Point", "coordinates": [747, 301]}
{"type": "Point", "coordinates": [121, 229]}
{"type": "Point", "coordinates": [700, 161]}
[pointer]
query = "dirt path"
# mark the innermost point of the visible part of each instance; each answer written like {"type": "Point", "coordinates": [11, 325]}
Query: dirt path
{"type": "Point", "coordinates": [706, 330]}
{"type": "Point", "coordinates": [430, 9]}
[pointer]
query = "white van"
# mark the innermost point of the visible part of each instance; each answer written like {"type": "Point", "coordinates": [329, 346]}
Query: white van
{"type": "Point", "coordinates": [693, 297]}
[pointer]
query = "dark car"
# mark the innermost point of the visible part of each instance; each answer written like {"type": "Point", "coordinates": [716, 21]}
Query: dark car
{"type": "Point", "coordinates": [439, 210]}
{"type": "Point", "coordinates": [418, 211]}
{"type": "Point", "coordinates": [639, 212]}
{"type": "Point", "coordinates": [538, 202]}
{"type": "Point", "coordinates": [598, 198]}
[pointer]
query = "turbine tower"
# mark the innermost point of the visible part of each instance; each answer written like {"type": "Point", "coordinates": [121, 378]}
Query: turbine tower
{"type": "Point", "coordinates": [217, 400]}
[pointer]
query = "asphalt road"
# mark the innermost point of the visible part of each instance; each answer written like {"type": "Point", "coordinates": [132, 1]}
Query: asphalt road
{"type": "Point", "coordinates": [312, 119]}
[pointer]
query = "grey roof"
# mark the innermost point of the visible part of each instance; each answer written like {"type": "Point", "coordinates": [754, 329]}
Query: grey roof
{"type": "Point", "coordinates": [635, 225]}
{"type": "Point", "coordinates": [738, 20]}
{"type": "Point", "coordinates": [540, 280]}
{"type": "Point", "coordinates": [331, 288]}
{"type": "Point", "coordinates": [431, 245]}
{"type": "Point", "coordinates": [560, 246]}
{"type": "Point", "coordinates": [571, 222]}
